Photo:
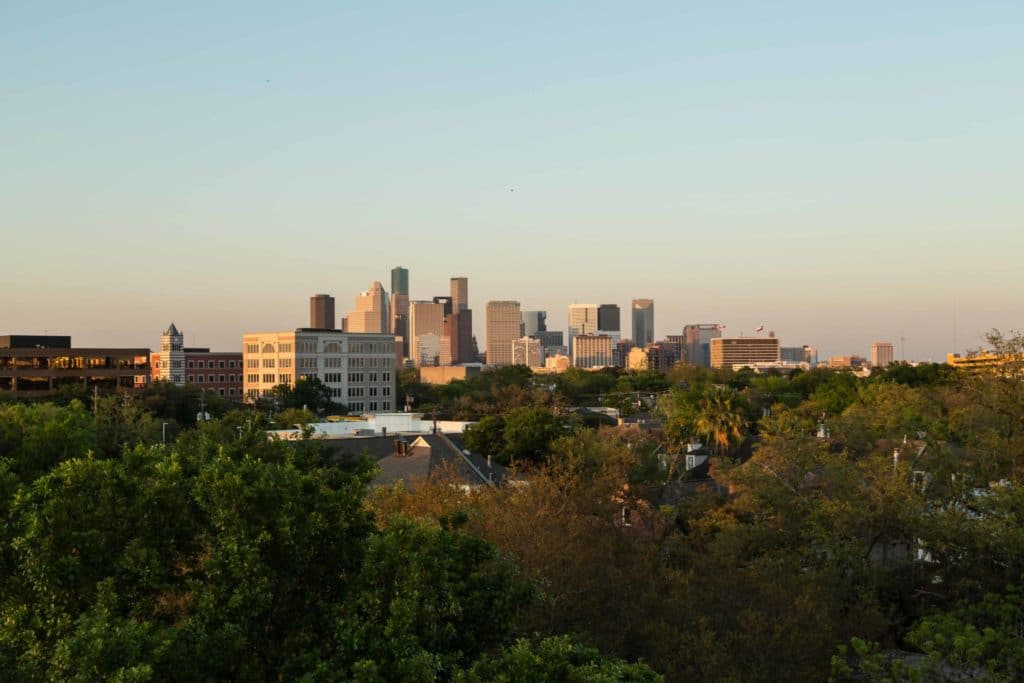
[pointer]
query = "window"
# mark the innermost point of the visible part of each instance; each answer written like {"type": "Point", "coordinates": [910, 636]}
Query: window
{"type": "Point", "coordinates": [252, 378]}
{"type": "Point", "coordinates": [334, 362]}
{"type": "Point", "coordinates": [268, 379]}
{"type": "Point", "coordinates": [285, 363]}
{"type": "Point", "coordinates": [220, 364]}
{"type": "Point", "coordinates": [199, 364]}
{"type": "Point", "coordinates": [191, 364]}
{"type": "Point", "coordinates": [284, 379]}
{"type": "Point", "coordinates": [387, 376]}
{"type": "Point", "coordinates": [231, 363]}
{"type": "Point", "coordinates": [191, 378]}
{"type": "Point", "coordinates": [387, 405]}
{"type": "Point", "coordinates": [231, 391]}
{"type": "Point", "coordinates": [373, 405]}
{"type": "Point", "coordinates": [252, 348]}
{"type": "Point", "coordinates": [199, 379]}
{"type": "Point", "coordinates": [220, 391]}
{"type": "Point", "coordinates": [306, 346]}
{"type": "Point", "coordinates": [307, 363]}
{"type": "Point", "coordinates": [222, 378]}
{"type": "Point", "coordinates": [386, 391]}
{"type": "Point", "coordinates": [373, 376]}
{"type": "Point", "coordinates": [268, 348]}
{"type": "Point", "coordinates": [284, 348]}
{"type": "Point", "coordinates": [332, 347]}
{"type": "Point", "coordinates": [252, 363]}
{"type": "Point", "coordinates": [373, 391]}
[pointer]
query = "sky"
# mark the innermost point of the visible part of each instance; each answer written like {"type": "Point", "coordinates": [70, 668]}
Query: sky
{"type": "Point", "coordinates": [839, 173]}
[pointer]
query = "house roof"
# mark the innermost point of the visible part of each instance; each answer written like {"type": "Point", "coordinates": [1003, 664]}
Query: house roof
{"type": "Point", "coordinates": [444, 456]}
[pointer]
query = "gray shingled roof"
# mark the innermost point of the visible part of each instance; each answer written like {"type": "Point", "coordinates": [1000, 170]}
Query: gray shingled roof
{"type": "Point", "coordinates": [443, 457]}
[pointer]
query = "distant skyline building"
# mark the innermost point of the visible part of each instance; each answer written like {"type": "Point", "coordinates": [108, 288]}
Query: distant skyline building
{"type": "Point", "coordinates": [643, 321]}
{"type": "Point", "coordinates": [697, 342]}
{"type": "Point", "coordinates": [730, 352]}
{"type": "Point", "coordinates": [799, 354]}
{"type": "Point", "coordinates": [882, 354]}
{"type": "Point", "coordinates": [458, 329]}
{"type": "Point", "coordinates": [460, 293]}
{"type": "Point", "coordinates": [400, 280]}
{"type": "Point", "coordinates": [321, 312]}
{"type": "Point", "coordinates": [371, 312]}
{"type": "Point", "coordinates": [582, 320]}
{"type": "Point", "coordinates": [592, 351]}
{"type": "Point", "coordinates": [534, 322]}
{"type": "Point", "coordinates": [527, 351]}
{"type": "Point", "coordinates": [425, 317]}
{"type": "Point", "coordinates": [503, 320]}
{"type": "Point", "coordinates": [609, 319]}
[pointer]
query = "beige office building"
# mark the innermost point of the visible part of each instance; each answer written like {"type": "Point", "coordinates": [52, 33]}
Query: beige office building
{"type": "Point", "coordinates": [460, 293]}
{"type": "Point", "coordinates": [882, 354]}
{"type": "Point", "coordinates": [527, 351]}
{"type": "Point", "coordinates": [425, 317]}
{"type": "Point", "coordinates": [592, 351]}
{"type": "Point", "coordinates": [359, 369]}
{"type": "Point", "coordinates": [727, 352]}
{"type": "Point", "coordinates": [503, 320]}
{"type": "Point", "coordinates": [371, 312]}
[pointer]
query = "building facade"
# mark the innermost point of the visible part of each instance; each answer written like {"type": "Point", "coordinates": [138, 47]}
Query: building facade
{"type": "Point", "coordinates": [697, 341]}
{"type": "Point", "coordinates": [534, 322]}
{"type": "Point", "coordinates": [882, 354]}
{"type": "Point", "coordinates": [643, 321]}
{"type": "Point", "coordinates": [503, 320]}
{"type": "Point", "coordinates": [592, 351]}
{"type": "Point", "coordinates": [460, 293]}
{"type": "Point", "coordinates": [358, 368]}
{"type": "Point", "coordinates": [527, 351]}
{"type": "Point", "coordinates": [321, 312]}
{"type": "Point", "coordinates": [729, 352]}
{"type": "Point", "coordinates": [38, 365]}
{"type": "Point", "coordinates": [371, 312]}
{"type": "Point", "coordinates": [425, 317]}
{"type": "Point", "coordinates": [582, 320]}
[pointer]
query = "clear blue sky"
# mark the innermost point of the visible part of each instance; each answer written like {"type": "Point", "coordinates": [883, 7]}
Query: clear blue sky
{"type": "Point", "coordinates": [839, 173]}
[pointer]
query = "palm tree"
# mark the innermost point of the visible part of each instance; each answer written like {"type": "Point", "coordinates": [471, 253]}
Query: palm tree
{"type": "Point", "coordinates": [719, 418]}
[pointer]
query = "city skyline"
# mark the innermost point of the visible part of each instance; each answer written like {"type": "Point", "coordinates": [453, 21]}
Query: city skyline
{"type": "Point", "coordinates": [839, 177]}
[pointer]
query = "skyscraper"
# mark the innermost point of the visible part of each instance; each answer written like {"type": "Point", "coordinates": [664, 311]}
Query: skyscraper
{"type": "Point", "coordinates": [643, 321]}
{"type": "Point", "coordinates": [527, 351]}
{"type": "Point", "coordinates": [882, 354]}
{"type": "Point", "coordinates": [503, 320]}
{"type": "Point", "coordinates": [321, 312]}
{"type": "Point", "coordinates": [697, 342]}
{"type": "Point", "coordinates": [534, 322]}
{"type": "Point", "coordinates": [460, 293]}
{"type": "Point", "coordinates": [425, 317]}
{"type": "Point", "coordinates": [582, 320]}
{"type": "Point", "coordinates": [400, 280]}
{"type": "Point", "coordinates": [592, 351]}
{"type": "Point", "coordinates": [371, 312]}
{"type": "Point", "coordinates": [608, 320]}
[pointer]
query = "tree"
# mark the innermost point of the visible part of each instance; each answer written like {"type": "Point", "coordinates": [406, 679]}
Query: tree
{"type": "Point", "coordinates": [528, 434]}
{"type": "Point", "coordinates": [720, 418]}
{"type": "Point", "coordinates": [554, 659]}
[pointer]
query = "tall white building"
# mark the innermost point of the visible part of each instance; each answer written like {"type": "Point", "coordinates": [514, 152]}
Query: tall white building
{"type": "Point", "coordinates": [359, 369]}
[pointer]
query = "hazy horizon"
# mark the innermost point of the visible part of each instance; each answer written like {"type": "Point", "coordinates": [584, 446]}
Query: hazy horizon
{"type": "Point", "coordinates": [841, 175]}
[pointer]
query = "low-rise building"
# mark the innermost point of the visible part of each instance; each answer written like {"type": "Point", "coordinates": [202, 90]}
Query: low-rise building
{"type": "Point", "coordinates": [38, 365]}
{"type": "Point", "coordinates": [729, 351]}
{"type": "Point", "coordinates": [358, 368]}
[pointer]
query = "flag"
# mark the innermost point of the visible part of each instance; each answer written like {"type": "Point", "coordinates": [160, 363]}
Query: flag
{"type": "Point", "coordinates": [760, 328]}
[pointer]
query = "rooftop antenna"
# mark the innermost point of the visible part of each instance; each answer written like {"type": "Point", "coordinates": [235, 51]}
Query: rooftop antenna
{"type": "Point", "coordinates": [903, 348]}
